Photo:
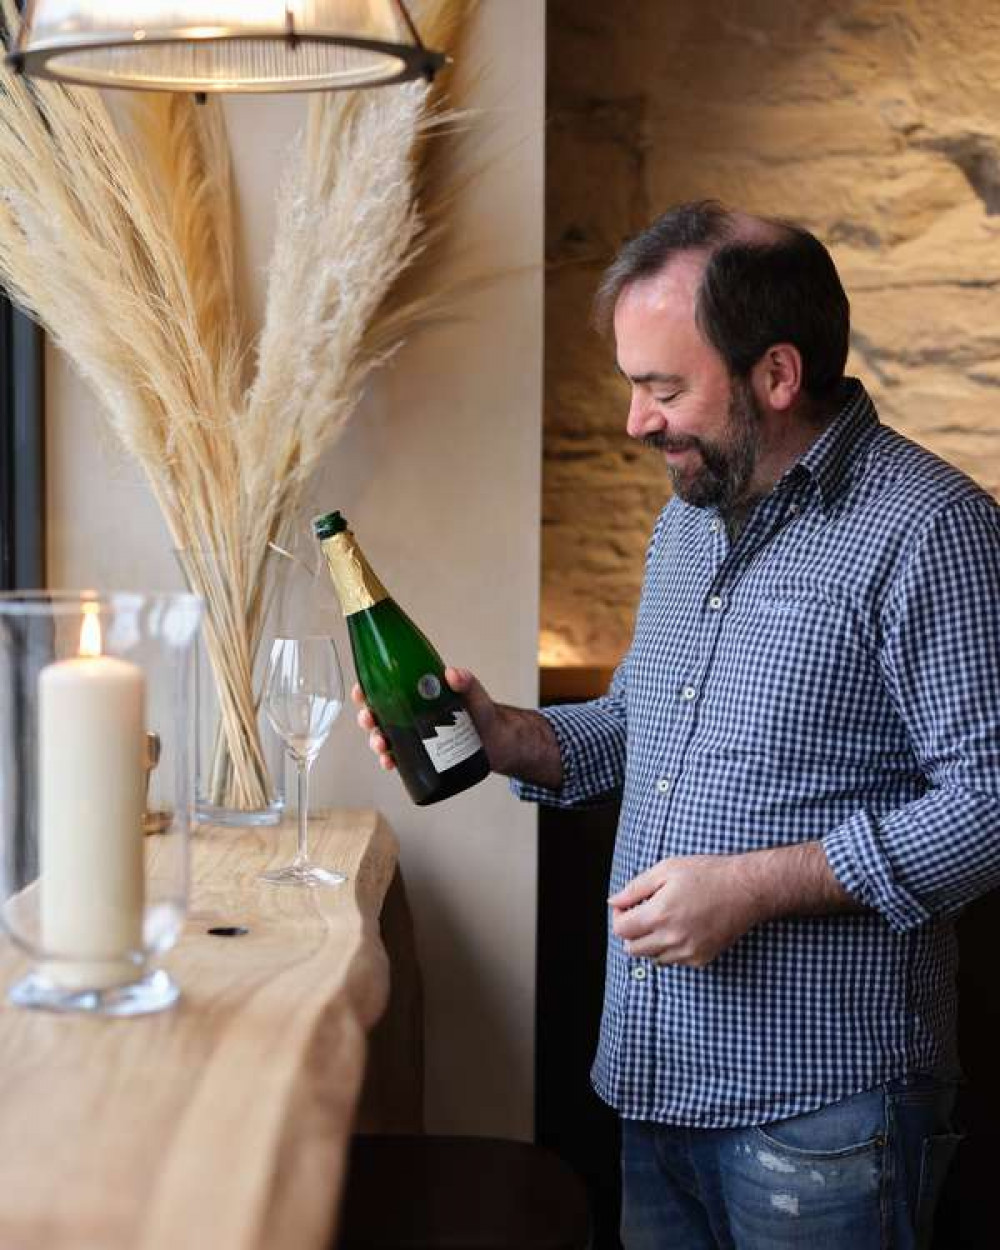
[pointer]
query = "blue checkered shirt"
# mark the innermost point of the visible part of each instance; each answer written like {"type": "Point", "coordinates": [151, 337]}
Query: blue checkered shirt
{"type": "Point", "coordinates": [831, 675]}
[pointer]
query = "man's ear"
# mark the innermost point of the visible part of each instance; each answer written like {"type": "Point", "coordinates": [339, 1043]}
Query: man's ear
{"type": "Point", "coordinates": [777, 377]}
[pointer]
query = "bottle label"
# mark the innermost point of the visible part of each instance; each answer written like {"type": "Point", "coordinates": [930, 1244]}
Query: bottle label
{"type": "Point", "coordinates": [451, 744]}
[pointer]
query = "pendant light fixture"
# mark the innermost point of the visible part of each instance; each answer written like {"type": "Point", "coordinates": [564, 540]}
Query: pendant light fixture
{"type": "Point", "coordinates": [203, 46]}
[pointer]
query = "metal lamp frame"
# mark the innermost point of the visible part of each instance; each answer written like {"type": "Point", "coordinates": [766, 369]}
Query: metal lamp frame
{"type": "Point", "coordinates": [415, 59]}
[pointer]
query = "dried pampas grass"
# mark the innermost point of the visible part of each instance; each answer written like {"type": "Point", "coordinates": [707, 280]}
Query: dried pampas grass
{"type": "Point", "coordinates": [122, 242]}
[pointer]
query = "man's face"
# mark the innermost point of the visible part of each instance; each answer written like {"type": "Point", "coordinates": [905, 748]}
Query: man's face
{"type": "Point", "coordinates": [684, 401]}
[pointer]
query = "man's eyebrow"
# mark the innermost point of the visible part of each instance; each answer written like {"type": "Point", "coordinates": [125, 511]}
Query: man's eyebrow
{"type": "Point", "coordinates": [666, 379]}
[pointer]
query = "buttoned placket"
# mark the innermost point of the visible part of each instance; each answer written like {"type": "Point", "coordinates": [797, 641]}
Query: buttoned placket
{"type": "Point", "coordinates": [640, 969]}
{"type": "Point", "coordinates": [727, 559]}
{"type": "Point", "coordinates": [726, 570]}
{"type": "Point", "coordinates": [772, 515]}
{"type": "Point", "coordinates": [690, 690]}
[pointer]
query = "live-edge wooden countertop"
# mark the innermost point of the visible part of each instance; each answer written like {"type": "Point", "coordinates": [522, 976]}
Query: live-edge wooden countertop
{"type": "Point", "coordinates": [222, 1123]}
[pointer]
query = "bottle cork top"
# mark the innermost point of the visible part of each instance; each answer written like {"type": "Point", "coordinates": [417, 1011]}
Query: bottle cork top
{"type": "Point", "coordinates": [328, 524]}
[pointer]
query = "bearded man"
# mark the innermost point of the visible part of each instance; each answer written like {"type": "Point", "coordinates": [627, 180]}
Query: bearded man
{"type": "Point", "coordinates": [805, 738]}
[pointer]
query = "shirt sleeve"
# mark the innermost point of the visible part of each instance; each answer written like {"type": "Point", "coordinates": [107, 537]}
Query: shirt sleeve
{"type": "Point", "coordinates": [940, 660]}
{"type": "Point", "coordinates": [591, 739]}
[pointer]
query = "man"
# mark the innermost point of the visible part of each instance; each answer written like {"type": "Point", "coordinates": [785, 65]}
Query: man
{"type": "Point", "coordinates": [806, 740]}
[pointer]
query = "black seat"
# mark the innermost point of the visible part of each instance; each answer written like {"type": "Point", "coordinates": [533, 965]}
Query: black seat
{"type": "Point", "coordinates": [460, 1193]}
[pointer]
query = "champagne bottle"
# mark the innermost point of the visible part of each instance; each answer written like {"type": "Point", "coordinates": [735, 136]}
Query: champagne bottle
{"type": "Point", "coordinates": [426, 724]}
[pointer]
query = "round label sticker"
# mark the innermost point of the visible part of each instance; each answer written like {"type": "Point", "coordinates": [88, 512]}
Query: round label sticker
{"type": "Point", "coordinates": [429, 686]}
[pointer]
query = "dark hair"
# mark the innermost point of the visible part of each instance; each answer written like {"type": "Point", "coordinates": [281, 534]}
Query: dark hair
{"type": "Point", "coordinates": [765, 282]}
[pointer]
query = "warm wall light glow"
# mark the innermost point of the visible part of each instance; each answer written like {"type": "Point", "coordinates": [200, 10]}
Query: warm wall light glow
{"type": "Point", "coordinates": [90, 630]}
{"type": "Point", "coordinates": [555, 651]}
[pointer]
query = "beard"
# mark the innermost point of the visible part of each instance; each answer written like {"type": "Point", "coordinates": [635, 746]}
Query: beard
{"type": "Point", "coordinates": [726, 466]}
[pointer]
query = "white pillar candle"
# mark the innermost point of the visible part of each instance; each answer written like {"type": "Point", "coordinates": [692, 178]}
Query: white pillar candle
{"type": "Point", "coordinates": [91, 726]}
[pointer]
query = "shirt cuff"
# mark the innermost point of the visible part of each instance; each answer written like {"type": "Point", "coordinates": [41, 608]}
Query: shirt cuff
{"type": "Point", "coordinates": [583, 735]}
{"type": "Point", "coordinates": [531, 793]}
{"type": "Point", "coordinates": [858, 860]}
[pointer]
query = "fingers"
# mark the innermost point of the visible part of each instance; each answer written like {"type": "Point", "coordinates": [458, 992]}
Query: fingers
{"type": "Point", "coordinates": [477, 700]}
{"type": "Point", "coordinates": [460, 679]}
{"type": "Point", "coordinates": [652, 947]}
{"type": "Point", "coordinates": [365, 718]}
{"type": "Point", "coordinates": [636, 923]}
{"type": "Point", "coordinates": [636, 890]}
{"type": "Point", "coordinates": [379, 745]}
{"type": "Point", "coordinates": [376, 740]}
{"type": "Point", "coordinates": [647, 933]}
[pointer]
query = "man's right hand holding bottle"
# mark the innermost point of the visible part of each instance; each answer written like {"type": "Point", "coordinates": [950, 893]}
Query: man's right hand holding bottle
{"type": "Point", "coordinates": [518, 742]}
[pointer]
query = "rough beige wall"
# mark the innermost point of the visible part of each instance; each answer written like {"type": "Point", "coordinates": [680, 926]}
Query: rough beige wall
{"type": "Point", "coordinates": [876, 123]}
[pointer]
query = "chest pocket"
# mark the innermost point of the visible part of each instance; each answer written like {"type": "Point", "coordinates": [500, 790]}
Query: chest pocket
{"type": "Point", "coordinates": [796, 675]}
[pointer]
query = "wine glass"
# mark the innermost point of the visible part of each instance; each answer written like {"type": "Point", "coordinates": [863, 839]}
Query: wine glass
{"type": "Point", "coordinates": [303, 695]}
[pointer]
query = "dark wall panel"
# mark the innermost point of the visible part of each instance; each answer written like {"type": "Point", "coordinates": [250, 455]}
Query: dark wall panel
{"type": "Point", "coordinates": [22, 452]}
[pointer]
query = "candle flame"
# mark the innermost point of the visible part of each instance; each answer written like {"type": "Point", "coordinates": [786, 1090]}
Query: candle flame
{"type": "Point", "coordinates": [90, 630]}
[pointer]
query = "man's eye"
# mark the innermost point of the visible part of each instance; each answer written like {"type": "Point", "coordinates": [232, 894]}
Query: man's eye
{"type": "Point", "coordinates": [666, 399]}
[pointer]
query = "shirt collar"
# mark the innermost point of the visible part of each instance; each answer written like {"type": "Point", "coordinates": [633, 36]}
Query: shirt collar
{"type": "Point", "coordinates": [832, 458]}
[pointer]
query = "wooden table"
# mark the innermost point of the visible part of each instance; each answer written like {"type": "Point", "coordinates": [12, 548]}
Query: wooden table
{"type": "Point", "coordinates": [222, 1123]}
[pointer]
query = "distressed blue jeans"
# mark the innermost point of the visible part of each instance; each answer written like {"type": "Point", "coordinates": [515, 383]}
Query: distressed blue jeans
{"type": "Point", "coordinates": [862, 1174]}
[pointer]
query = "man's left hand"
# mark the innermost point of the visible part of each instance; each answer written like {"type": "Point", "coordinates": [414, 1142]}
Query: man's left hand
{"type": "Point", "coordinates": [686, 910]}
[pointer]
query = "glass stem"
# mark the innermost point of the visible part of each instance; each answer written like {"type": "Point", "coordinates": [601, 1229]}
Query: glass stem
{"type": "Point", "coordinates": [303, 765]}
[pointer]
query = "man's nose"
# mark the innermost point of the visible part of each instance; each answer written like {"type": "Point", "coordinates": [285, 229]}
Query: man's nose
{"type": "Point", "coordinates": [643, 417]}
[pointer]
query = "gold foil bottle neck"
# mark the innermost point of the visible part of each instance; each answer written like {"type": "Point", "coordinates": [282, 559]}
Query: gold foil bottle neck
{"type": "Point", "coordinates": [357, 586]}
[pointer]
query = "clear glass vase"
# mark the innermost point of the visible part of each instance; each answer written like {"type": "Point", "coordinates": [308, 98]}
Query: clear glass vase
{"type": "Point", "coordinates": [96, 793]}
{"type": "Point", "coordinates": [239, 762]}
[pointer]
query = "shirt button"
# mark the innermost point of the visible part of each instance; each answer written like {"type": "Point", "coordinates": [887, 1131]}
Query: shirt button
{"type": "Point", "coordinates": [715, 603]}
{"type": "Point", "coordinates": [663, 785]}
{"type": "Point", "coordinates": [793, 509]}
{"type": "Point", "coordinates": [688, 693]}
{"type": "Point", "coordinates": [715, 525]}
{"type": "Point", "coordinates": [639, 973]}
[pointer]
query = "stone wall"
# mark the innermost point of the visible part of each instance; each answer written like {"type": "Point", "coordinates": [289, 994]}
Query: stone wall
{"type": "Point", "coordinates": [876, 123]}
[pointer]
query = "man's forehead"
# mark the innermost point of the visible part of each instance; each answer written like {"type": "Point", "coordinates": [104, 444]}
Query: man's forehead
{"type": "Point", "coordinates": [672, 289]}
{"type": "Point", "coordinates": [656, 333]}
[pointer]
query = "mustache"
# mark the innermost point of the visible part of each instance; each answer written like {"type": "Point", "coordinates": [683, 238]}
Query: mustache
{"type": "Point", "coordinates": [663, 442]}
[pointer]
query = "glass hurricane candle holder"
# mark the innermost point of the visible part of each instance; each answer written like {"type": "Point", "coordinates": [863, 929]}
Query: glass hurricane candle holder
{"type": "Point", "coordinates": [96, 793]}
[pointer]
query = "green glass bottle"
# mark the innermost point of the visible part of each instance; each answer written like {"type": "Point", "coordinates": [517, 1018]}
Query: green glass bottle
{"type": "Point", "coordinates": [427, 725]}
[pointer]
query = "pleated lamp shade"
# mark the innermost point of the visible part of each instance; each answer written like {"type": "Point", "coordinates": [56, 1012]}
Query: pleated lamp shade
{"type": "Point", "coordinates": [223, 45]}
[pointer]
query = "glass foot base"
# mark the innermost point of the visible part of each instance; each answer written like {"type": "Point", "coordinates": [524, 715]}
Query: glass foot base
{"type": "Point", "coordinates": [303, 874]}
{"type": "Point", "coordinates": [154, 992]}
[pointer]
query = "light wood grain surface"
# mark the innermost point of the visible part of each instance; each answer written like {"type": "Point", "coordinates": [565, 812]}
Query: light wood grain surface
{"type": "Point", "coordinates": [222, 1123]}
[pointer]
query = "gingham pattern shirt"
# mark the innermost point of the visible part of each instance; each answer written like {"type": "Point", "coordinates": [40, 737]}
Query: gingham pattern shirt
{"type": "Point", "coordinates": [830, 675]}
